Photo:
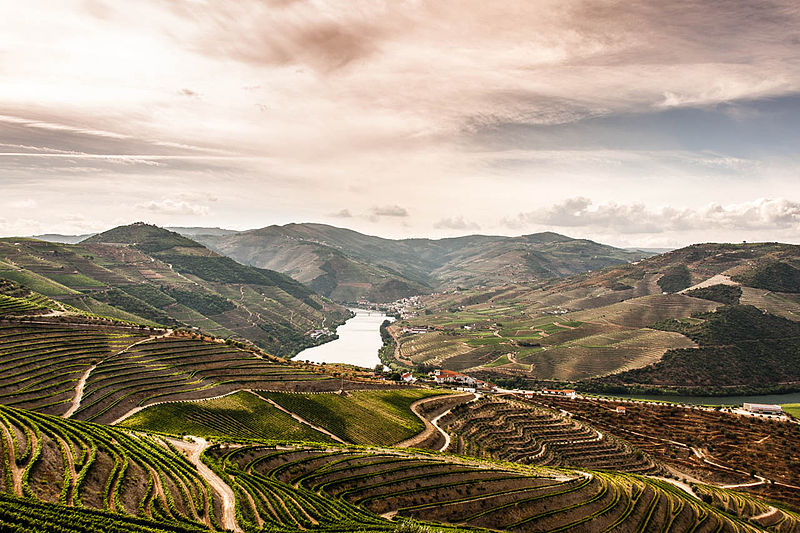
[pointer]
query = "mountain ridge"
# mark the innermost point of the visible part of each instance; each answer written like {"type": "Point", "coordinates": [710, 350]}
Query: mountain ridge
{"type": "Point", "coordinates": [347, 265]}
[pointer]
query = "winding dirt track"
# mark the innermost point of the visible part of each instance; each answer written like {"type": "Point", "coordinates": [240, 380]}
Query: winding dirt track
{"type": "Point", "coordinates": [193, 451]}
{"type": "Point", "coordinates": [76, 401]}
{"type": "Point", "coordinates": [430, 426]}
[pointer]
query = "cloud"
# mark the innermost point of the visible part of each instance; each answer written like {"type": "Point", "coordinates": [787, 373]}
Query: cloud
{"type": "Point", "coordinates": [457, 223]}
{"type": "Point", "coordinates": [389, 211]}
{"type": "Point", "coordinates": [23, 204]}
{"type": "Point", "coordinates": [580, 212]}
{"type": "Point", "coordinates": [344, 213]}
{"type": "Point", "coordinates": [174, 207]}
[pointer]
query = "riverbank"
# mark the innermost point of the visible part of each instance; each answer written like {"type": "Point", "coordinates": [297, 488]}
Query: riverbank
{"type": "Point", "coordinates": [357, 344]}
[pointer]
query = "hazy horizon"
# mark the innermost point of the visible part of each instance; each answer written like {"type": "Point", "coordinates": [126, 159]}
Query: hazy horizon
{"type": "Point", "coordinates": [655, 124]}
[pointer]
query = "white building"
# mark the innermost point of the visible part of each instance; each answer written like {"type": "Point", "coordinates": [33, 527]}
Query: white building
{"type": "Point", "coordinates": [408, 377]}
{"type": "Point", "coordinates": [763, 408]}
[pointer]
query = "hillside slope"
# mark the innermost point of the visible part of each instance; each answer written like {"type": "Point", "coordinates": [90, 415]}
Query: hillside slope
{"type": "Point", "coordinates": [149, 275]}
{"type": "Point", "coordinates": [347, 265]}
{"type": "Point", "coordinates": [604, 322]}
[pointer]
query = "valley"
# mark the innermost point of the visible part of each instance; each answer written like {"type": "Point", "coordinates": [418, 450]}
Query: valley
{"type": "Point", "coordinates": [121, 409]}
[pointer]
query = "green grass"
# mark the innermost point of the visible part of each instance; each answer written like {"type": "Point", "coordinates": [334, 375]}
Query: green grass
{"type": "Point", "coordinates": [792, 408]}
{"type": "Point", "coordinates": [361, 417]}
{"type": "Point", "coordinates": [238, 416]}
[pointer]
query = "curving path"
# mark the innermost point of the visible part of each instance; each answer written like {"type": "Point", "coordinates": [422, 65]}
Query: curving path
{"type": "Point", "coordinates": [430, 429]}
{"type": "Point", "coordinates": [193, 451]}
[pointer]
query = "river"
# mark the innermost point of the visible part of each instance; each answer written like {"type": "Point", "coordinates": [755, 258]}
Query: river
{"type": "Point", "coordinates": [715, 400]}
{"type": "Point", "coordinates": [358, 343]}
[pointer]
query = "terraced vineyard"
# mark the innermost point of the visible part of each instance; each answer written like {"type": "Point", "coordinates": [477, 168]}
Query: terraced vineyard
{"type": "Point", "coordinates": [49, 459]}
{"type": "Point", "coordinates": [709, 445]}
{"type": "Point", "coordinates": [756, 511]}
{"type": "Point", "coordinates": [42, 363]}
{"type": "Point", "coordinates": [513, 430]}
{"type": "Point", "coordinates": [175, 368]}
{"type": "Point", "coordinates": [350, 489]}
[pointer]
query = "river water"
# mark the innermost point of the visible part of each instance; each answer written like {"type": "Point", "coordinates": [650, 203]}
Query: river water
{"type": "Point", "coordinates": [358, 343]}
{"type": "Point", "coordinates": [716, 400]}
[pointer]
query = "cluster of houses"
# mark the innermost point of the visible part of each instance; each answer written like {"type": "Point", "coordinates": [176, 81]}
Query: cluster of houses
{"type": "Point", "coordinates": [404, 307]}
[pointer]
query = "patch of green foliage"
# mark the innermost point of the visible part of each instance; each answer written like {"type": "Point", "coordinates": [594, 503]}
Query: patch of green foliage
{"type": "Point", "coordinates": [724, 294]}
{"type": "Point", "coordinates": [226, 270]}
{"type": "Point", "coordinates": [675, 278]}
{"type": "Point", "coordinates": [205, 303]}
{"type": "Point", "coordinates": [775, 276]}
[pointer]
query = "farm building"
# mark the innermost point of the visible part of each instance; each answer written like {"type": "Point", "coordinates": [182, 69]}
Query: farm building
{"type": "Point", "coordinates": [763, 408]}
{"type": "Point", "coordinates": [408, 377]}
{"type": "Point", "coordinates": [569, 393]}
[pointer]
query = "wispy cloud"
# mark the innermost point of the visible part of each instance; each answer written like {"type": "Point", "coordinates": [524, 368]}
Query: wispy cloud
{"type": "Point", "coordinates": [456, 223]}
{"type": "Point", "coordinates": [580, 212]}
{"type": "Point", "coordinates": [174, 207]}
{"type": "Point", "coordinates": [389, 211]}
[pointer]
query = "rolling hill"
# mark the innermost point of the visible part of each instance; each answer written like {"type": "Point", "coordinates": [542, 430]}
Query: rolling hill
{"type": "Point", "coordinates": [346, 265]}
{"type": "Point", "coordinates": [596, 324]}
{"type": "Point", "coordinates": [149, 275]}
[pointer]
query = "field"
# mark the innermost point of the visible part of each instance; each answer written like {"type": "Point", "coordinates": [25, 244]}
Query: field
{"type": "Point", "coordinates": [181, 368]}
{"type": "Point", "coordinates": [306, 487]}
{"type": "Point", "coordinates": [574, 346]}
{"type": "Point", "coordinates": [121, 369]}
{"type": "Point", "coordinates": [361, 417]}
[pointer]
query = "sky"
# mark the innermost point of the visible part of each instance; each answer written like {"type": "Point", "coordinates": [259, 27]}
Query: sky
{"type": "Point", "coordinates": [657, 123]}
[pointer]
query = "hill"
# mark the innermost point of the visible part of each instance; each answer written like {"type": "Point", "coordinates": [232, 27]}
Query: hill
{"type": "Point", "coordinates": [600, 323]}
{"type": "Point", "coordinates": [346, 265]}
{"type": "Point", "coordinates": [739, 347]}
{"type": "Point", "coordinates": [149, 275]}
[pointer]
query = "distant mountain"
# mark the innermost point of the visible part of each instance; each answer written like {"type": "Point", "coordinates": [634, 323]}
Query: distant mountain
{"type": "Point", "coordinates": [346, 265]}
{"type": "Point", "coordinates": [147, 274]}
{"type": "Point", "coordinates": [64, 239]}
